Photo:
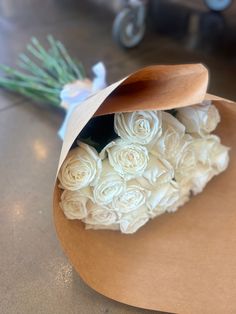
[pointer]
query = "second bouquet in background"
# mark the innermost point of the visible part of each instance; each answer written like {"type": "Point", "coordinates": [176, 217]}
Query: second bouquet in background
{"type": "Point", "coordinates": [129, 167]}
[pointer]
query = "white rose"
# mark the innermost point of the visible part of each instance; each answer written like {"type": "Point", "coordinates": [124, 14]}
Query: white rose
{"type": "Point", "coordinates": [139, 126]}
{"type": "Point", "coordinates": [200, 177]}
{"type": "Point", "coordinates": [131, 222]}
{"type": "Point", "coordinates": [184, 161]}
{"type": "Point", "coordinates": [201, 119]}
{"type": "Point", "coordinates": [158, 171]}
{"type": "Point", "coordinates": [211, 153]}
{"type": "Point", "coordinates": [129, 160]}
{"type": "Point", "coordinates": [98, 215]}
{"type": "Point", "coordinates": [171, 139]}
{"type": "Point", "coordinates": [109, 185]}
{"type": "Point", "coordinates": [81, 167]}
{"type": "Point", "coordinates": [212, 158]}
{"type": "Point", "coordinates": [184, 196]}
{"type": "Point", "coordinates": [74, 203]}
{"type": "Point", "coordinates": [163, 197]}
{"type": "Point", "coordinates": [220, 158]}
{"type": "Point", "coordinates": [175, 146]}
{"type": "Point", "coordinates": [131, 199]}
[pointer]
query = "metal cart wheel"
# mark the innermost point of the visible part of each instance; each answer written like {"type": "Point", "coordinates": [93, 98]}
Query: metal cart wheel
{"type": "Point", "coordinates": [129, 26]}
{"type": "Point", "coordinates": [218, 5]}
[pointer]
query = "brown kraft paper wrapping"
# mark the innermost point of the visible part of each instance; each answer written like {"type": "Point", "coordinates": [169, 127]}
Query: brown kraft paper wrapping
{"type": "Point", "coordinates": [180, 263]}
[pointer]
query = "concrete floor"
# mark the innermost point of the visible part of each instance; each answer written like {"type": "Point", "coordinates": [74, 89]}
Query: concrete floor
{"type": "Point", "coordinates": [35, 276]}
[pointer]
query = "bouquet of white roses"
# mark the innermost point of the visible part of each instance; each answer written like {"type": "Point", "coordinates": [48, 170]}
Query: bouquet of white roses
{"type": "Point", "coordinates": [139, 148]}
{"type": "Point", "coordinates": [145, 164]}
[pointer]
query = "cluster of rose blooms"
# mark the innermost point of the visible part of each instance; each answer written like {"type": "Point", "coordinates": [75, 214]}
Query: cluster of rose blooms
{"type": "Point", "coordinates": [157, 161]}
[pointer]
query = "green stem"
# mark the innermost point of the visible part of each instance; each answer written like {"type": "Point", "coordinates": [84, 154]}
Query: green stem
{"type": "Point", "coordinates": [35, 69]}
{"type": "Point", "coordinates": [55, 53]}
{"type": "Point", "coordinates": [50, 62]}
{"type": "Point", "coordinates": [69, 61]}
{"type": "Point", "coordinates": [37, 87]}
{"type": "Point", "coordinates": [16, 75]}
{"type": "Point", "coordinates": [46, 76]}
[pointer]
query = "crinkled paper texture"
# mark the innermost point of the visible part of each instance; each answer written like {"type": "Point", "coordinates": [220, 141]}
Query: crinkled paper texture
{"type": "Point", "coordinates": [180, 263]}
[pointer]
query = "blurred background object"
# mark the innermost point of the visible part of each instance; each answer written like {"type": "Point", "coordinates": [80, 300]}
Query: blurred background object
{"type": "Point", "coordinates": [129, 24]}
{"type": "Point", "coordinates": [198, 27]}
{"type": "Point", "coordinates": [35, 275]}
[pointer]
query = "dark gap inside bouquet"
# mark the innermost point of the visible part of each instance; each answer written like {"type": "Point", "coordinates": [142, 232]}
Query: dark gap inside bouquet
{"type": "Point", "coordinates": [98, 132]}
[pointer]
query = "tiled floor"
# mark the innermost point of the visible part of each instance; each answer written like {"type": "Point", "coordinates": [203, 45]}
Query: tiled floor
{"type": "Point", "coordinates": [35, 276]}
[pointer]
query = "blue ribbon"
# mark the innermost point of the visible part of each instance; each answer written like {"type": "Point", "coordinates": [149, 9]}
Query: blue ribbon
{"type": "Point", "coordinates": [73, 96]}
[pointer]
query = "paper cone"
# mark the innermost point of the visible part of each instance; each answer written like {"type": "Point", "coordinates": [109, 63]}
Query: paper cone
{"type": "Point", "coordinates": [183, 262]}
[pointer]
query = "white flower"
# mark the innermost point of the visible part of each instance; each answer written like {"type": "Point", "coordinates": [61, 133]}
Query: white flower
{"type": "Point", "coordinates": [81, 167]}
{"type": "Point", "coordinates": [98, 215]}
{"type": "Point", "coordinates": [211, 153]}
{"type": "Point", "coordinates": [184, 162]}
{"type": "Point", "coordinates": [171, 139]}
{"type": "Point", "coordinates": [220, 158]}
{"type": "Point", "coordinates": [158, 171]}
{"type": "Point", "coordinates": [129, 160]}
{"type": "Point", "coordinates": [163, 197]}
{"type": "Point", "coordinates": [131, 199]}
{"type": "Point", "coordinates": [200, 177]}
{"type": "Point", "coordinates": [184, 196]}
{"type": "Point", "coordinates": [202, 118]}
{"type": "Point", "coordinates": [109, 185]}
{"type": "Point", "coordinates": [138, 126]}
{"type": "Point", "coordinates": [74, 203]}
{"type": "Point", "coordinates": [175, 146]}
{"type": "Point", "coordinates": [212, 159]}
{"type": "Point", "coordinates": [131, 222]}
